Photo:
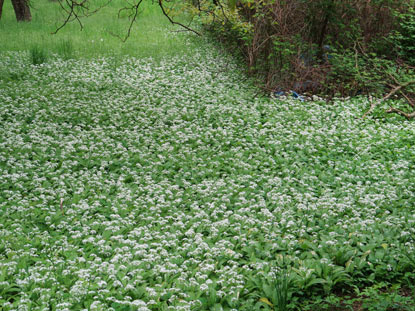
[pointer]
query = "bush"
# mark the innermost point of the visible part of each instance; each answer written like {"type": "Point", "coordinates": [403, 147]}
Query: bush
{"type": "Point", "coordinates": [404, 38]}
{"type": "Point", "coordinates": [321, 46]}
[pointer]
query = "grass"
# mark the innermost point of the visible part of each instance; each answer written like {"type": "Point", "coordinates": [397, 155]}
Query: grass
{"type": "Point", "coordinates": [149, 38]}
{"type": "Point", "coordinates": [134, 183]}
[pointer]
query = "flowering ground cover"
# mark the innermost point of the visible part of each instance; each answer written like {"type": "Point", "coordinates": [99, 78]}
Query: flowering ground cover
{"type": "Point", "coordinates": [135, 184]}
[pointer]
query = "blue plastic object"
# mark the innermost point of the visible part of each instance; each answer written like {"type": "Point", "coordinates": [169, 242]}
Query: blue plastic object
{"type": "Point", "coordinates": [327, 49]}
{"type": "Point", "coordinates": [298, 96]}
{"type": "Point", "coordinates": [293, 94]}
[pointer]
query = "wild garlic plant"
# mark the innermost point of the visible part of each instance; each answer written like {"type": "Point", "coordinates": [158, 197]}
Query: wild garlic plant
{"type": "Point", "coordinates": [177, 183]}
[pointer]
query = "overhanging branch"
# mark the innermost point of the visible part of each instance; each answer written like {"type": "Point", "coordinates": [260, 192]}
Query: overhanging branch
{"type": "Point", "coordinates": [160, 2]}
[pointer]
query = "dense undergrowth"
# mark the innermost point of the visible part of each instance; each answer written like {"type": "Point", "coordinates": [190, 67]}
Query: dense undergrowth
{"type": "Point", "coordinates": [325, 47]}
{"type": "Point", "coordinates": [135, 184]}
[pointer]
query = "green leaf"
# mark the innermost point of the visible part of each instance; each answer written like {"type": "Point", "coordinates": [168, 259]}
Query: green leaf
{"type": "Point", "coordinates": [266, 301]}
{"type": "Point", "coordinates": [232, 4]}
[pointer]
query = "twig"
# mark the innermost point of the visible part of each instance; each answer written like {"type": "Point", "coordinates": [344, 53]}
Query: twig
{"type": "Point", "coordinates": [72, 12]}
{"type": "Point", "coordinates": [126, 8]}
{"type": "Point", "coordinates": [67, 18]}
{"type": "Point", "coordinates": [134, 8]}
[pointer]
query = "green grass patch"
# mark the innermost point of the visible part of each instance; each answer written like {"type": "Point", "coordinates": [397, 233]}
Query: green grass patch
{"type": "Point", "coordinates": [151, 36]}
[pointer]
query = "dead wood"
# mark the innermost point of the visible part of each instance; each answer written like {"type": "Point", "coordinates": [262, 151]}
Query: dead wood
{"type": "Point", "coordinates": [399, 88]}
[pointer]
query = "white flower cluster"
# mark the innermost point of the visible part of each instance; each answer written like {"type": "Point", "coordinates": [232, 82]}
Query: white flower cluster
{"type": "Point", "coordinates": [176, 180]}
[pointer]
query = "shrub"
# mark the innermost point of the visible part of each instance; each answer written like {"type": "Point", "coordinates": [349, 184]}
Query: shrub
{"type": "Point", "coordinates": [404, 38]}
{"type": "Point", "coordinates": [322, 46]}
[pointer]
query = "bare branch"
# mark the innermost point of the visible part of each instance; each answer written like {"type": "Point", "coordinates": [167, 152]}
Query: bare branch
{"type": "Point", "coordinates": [409, 101]}
{"type": "Point", "coordinates": [76, 10]}
{"type": "Point", "coordinates": [160, 2]}
{"type": "Point", "coordinates": [395, 89]}
{"type": "Point", "coordinates": [70, 12]}
{"type": "Point", "coordinates": [126, 8]}
{"type": "Point", "coordinates": [376, 103]}
{"type": "Point", "coordinates": [134, 15]}
{"type": "Point", "coordinates": [401, 113]}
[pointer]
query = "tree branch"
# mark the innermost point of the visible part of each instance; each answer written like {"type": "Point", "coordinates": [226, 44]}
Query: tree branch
{"type": "Point", "coordinates": [401, 113]}
{"type": "Point", "coordinates": [134, 15]}
{"type": "Point", "coordinates": [77, 10]}
{"type": "Point", "coordinates": [396, 89]}
{"type": "Point", "coordinates": [160, 2]}
{"type": "Point", "coordinates": [376, 103]}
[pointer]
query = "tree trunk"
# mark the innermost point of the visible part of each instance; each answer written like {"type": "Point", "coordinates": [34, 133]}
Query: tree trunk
{"type": "Point", "coordinates": [22, 10]}
{"type": "Point", "coordinates": [1, 7]}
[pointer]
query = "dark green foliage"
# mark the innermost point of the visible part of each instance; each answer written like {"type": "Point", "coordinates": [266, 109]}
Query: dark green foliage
{"type": "Point", "coordinates": [404, 37]}
{"type": "Point", "coordinates": [38, 55]}
{"type": "Point", "coordinates": [324, 46]}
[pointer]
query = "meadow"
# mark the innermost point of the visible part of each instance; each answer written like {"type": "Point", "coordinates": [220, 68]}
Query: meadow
{"type": "Point", "coordinates": [99, 36]}
{"type": "Point", "coordinates": [152, 176]}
